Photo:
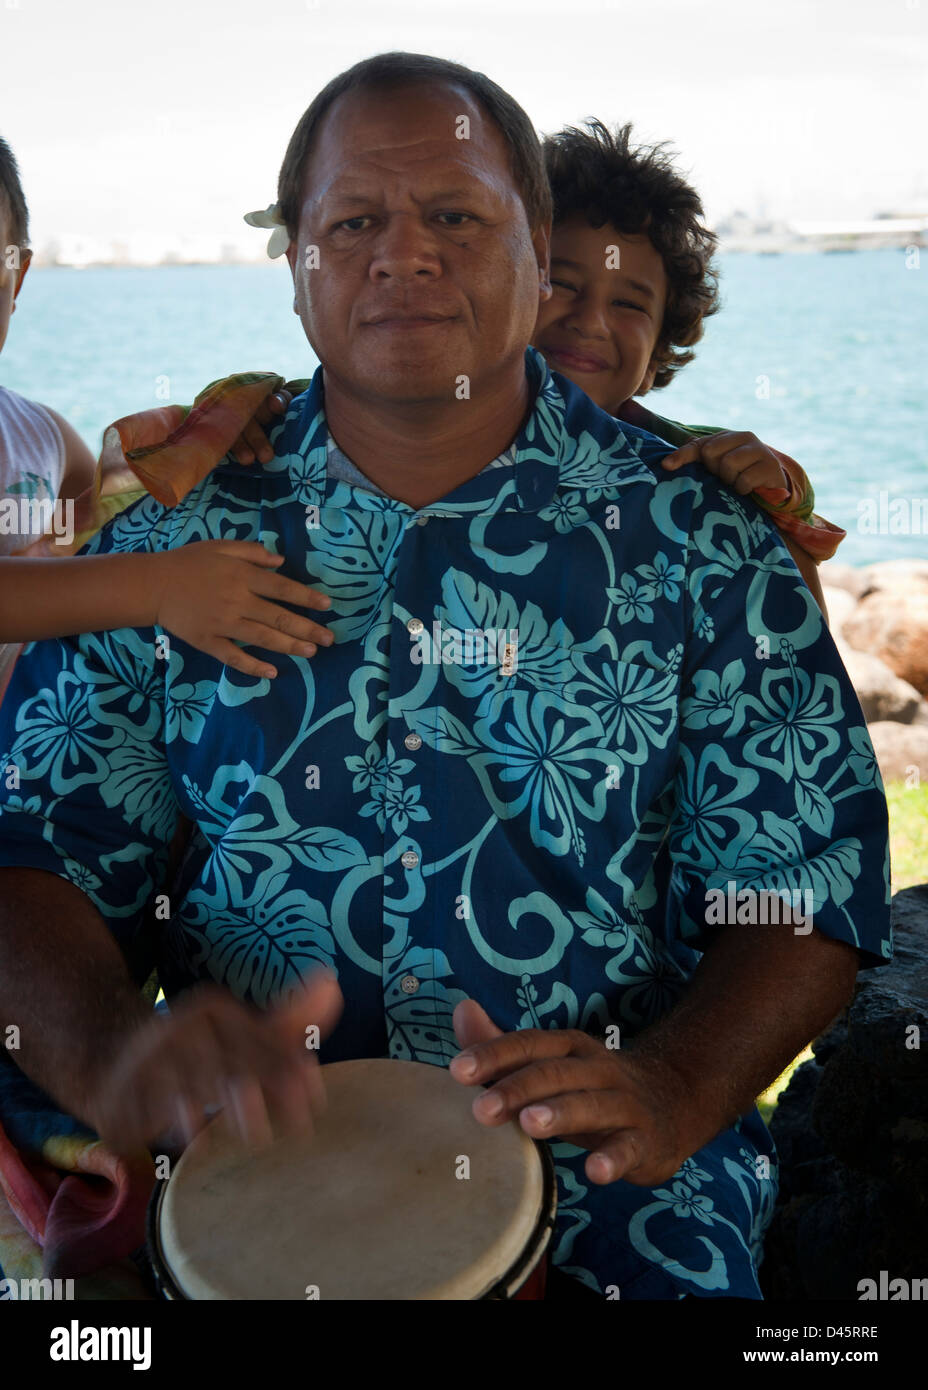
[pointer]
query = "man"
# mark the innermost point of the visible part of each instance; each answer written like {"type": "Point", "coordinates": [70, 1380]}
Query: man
{"type": "Point", "coordinates": [570, 703]}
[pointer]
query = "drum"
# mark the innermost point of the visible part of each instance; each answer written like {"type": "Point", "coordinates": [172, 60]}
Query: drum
{"type": "Point", "coordinates": [399, 1194]}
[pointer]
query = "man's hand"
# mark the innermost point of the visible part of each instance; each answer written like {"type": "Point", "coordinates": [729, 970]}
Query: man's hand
{"type": "Point", "coordinates": [253, 443]}
{"type": "Point", "coordinates": [562, 1083]}
{"type": "Point", "coordinates": [738, 459]}
{"type": "Point", "coordinates": [211, 1049]}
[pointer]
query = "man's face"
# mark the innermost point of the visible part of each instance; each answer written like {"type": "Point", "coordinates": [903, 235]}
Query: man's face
{"type": "Point", "coordinates": [601, 325]}
{"type": "Point", "coordinates": [411, 221]}
{"type": "Point", "coordinates": [11, 277]}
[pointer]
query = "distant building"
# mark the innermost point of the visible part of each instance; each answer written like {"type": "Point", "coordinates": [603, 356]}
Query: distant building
{"type": "Point", "coordinates": [742, 233]}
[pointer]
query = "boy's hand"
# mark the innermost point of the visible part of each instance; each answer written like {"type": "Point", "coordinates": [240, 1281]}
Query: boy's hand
{"type": "Point", "coordinates": [211, 591]}
{"type": "Point", "coordinates": [738, 459]}
{"type": "Point", "coordinates": [253, 443]}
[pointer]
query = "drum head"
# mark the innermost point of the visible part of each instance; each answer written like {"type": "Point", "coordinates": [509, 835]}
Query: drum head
{"type": "Point", "coordinates": [399, 1194]}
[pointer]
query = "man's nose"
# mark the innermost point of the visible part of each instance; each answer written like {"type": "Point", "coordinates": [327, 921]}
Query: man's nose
{"type": "Point", "coordinates": [405, 248]}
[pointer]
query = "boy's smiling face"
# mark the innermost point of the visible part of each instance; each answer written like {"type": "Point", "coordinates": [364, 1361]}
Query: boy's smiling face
{"type": "Point", "coordinates": [11, 279]}
{"type": "Point", "coordinates": [601, 325]}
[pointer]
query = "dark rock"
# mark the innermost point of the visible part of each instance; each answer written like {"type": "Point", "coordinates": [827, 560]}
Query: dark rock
{"type": "Point", "coordinates": [848, 1113]}
{"type": "Point", "coordinates": [851, 1234]}
{"type": "Point", "coordinates": [827, 1043]}
{"type": "Point", "coordinates": [798, 1146]}
{"type": "Point", "coordinates": [851, 1132]}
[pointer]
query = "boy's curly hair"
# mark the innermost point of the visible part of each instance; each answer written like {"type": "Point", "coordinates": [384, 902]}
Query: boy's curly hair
{"type": "Point", "coordinates": [12, 201]}
{"type": "Point", "coordinates": [597, 174]}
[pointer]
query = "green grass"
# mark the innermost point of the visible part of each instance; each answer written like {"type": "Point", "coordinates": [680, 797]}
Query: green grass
{"type": "Point", "coordinates": [767, 1102]}
{"type": "Point", "coordinates": [908, 857]}
{"type": "Point", "coordinates": [908, 834]}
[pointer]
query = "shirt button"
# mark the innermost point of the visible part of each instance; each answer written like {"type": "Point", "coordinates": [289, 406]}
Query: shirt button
{"type": "Point", "coordinates": [410, 859]}
{"type": "Point", "coordinates": [409, 984]}
{"type": "Point", "coordinates": [415, 626]}
{"type": "Point", "coordinates": [412, 742]}
{"type": "Point", "coordinates": [422, 521]}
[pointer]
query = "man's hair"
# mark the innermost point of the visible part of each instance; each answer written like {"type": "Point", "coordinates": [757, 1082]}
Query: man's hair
{"type": "Point", "coordinates": [388, 71]}
{"type": "Point", "coordinates": [12, 201]}
{"type": "Point", "coordinates": [597, 175]}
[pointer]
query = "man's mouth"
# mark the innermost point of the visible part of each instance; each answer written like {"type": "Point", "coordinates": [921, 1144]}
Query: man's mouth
{"type": "Point", "coordinates": [406, 321]}
{"type": "Point", "coordinates": [578, 361]}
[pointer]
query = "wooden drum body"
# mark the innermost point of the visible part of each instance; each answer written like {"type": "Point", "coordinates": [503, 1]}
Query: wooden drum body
{"type": "Point", "coordinates": [399, 1194]}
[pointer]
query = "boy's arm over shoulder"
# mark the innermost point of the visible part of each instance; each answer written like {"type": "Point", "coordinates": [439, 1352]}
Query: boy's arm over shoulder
{"type": "Point", "coordinates": [810, 539]}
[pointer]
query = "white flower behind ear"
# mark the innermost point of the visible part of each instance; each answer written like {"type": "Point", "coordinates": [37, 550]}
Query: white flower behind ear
{"type": "Point", "coordinates": [280, 238]}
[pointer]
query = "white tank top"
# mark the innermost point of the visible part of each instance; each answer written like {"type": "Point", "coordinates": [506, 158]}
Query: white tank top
{"type": "Point", "coordinates": [32, 463]}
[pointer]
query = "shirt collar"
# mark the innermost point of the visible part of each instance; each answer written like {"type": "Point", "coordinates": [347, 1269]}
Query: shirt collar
{"type": "Point", "coordinates": [343, 467]}
{"type": "Point", "coordinates": [561, 423]}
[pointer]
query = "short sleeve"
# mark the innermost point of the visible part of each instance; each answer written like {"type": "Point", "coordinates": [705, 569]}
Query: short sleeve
{"type": "Point", "coordinates": [85, 790]}
{"type": "Point", "coordinates": [777, 788]}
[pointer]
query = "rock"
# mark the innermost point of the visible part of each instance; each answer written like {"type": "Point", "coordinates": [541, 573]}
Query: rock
{"type": "Point", "coordinates": [893, 625]}
{"type": "Point", "coordinates": [828, 1043]}
{"type": "Point", "coordinates": [846, 1112]}
{"type": "Point", "coordinates": [828, 1241]}
{"type": "Point", "coordinates": [893, 574]}
{"type": "Point", "coordinates": [840, 605]}
{"type": "Point", "coordinates": [899, 748]}
{"type": "Point", "coordinates": [834, 575]}
{"type": "Point", "coordinates": [881, 693]}
{"type": "Point", "coordinates": [799, 1148]}
{"type": "Point", "coordinates": [851, 1131]}
{"type": "Point", "coordinates": [890, 1000]}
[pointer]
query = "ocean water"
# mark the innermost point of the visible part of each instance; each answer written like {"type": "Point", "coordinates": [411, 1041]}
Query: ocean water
{"type": "Point", "coordinates": [823, 356]}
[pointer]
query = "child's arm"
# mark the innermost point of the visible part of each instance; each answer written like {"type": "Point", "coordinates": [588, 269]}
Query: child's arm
{"type": "Point", "coordinates": [206, 593]}
{"type": "Point", "coordinates": [80, 464]}
{"type": "Point", "coordinates": [745, 464]}
{"type": "Point", "coordinates": [253, 442]}
{"type": "Point", "coordinates": [738, 459]}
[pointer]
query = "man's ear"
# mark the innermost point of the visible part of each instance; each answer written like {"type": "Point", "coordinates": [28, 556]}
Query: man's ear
{"type": "Point", "coordinates": [541, 241]}
{"type": "Point", "coordinates": [291, 254]}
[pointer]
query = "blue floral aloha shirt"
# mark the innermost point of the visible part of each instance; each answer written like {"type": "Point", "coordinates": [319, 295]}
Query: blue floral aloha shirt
{"type": "Point", "coordinates": [537, 832]}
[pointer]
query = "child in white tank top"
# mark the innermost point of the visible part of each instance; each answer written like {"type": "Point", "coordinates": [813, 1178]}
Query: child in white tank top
{"type": "Point", "coordinates": [45, 466]}
{"type": "Point", "coordinates": [32, 467]}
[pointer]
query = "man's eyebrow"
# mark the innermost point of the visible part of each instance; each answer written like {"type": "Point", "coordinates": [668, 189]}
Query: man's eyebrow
{"type": "Point", "coordinates": [632, 284]}
{"type": "Point", "coordinates": [335, 195]}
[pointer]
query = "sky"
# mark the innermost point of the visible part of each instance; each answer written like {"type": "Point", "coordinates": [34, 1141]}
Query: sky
{"type": "Point", "coordinates": [163, 124]}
